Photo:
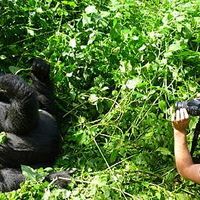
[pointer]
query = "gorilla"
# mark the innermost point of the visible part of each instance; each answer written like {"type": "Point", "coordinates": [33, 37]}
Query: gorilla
{"type": "Point", "coordinates": [26, 117]}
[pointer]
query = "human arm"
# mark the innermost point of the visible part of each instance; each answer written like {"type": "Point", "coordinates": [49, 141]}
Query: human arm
{"type": "Point", "coordinates": [183, 159]}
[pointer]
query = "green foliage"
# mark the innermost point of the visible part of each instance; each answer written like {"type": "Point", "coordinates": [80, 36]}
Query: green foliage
{"type": "Point", "coordinates": [118, 66]}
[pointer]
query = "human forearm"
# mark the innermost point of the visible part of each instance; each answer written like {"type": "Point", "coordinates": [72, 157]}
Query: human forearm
{"type": "Point", "coordinates": [184, 163]}
{"type": "Point", "coordinates": [182, 155]}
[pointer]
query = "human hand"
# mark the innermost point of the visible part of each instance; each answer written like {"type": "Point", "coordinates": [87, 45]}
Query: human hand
{"type": "Point", "coordinates": [180, 120]}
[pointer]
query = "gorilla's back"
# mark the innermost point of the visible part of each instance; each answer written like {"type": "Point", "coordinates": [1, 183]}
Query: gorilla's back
{"type": "Point", "coordinates": [39, 146]}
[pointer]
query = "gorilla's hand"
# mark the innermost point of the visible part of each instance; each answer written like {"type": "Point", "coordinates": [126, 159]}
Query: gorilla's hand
{"type": "Point", "coordinates": [61, 179]}
{"type": "Point", "coordinates": [40, 69]}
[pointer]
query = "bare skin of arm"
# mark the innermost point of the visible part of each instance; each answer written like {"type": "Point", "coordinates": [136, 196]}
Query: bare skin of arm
{"type": "Point", "coordinates": [183, 159]}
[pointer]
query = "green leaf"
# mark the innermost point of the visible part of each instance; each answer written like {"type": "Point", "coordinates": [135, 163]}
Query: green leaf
{"type": "Point", "coordinates": [69, 3]}
{"type": "Point", "coordinates": [14, 69]}
{"type": "Point", "coordinates": [90, 9]}
{"type": "Point", "coordinates": [93, 98]}
{"type": "Point", "coordinates": [164, 151]}
{"type": "Point", "coordinates": [3, 57]}
{"type": "Point", "coordinates": [30, 173]}
{"type": "Point", "coordinates": [86, 20]}
{"type": "Point", "coordinates": [162, 105]}
{"type": "Point", "coordinates": [3, 138]}
{"type": "Point", "coordinates": [39, 10]}
{"type": "Point", "coordinates": [113, 156]}
{"type": "Point", "coordinates": [72, 43]}
{"type": "Point", "coordinates": [30, 32]}
{"type": "Point", "coordinates": [175, 46]}
{"type": "Point", "coordinates": [131, 84]}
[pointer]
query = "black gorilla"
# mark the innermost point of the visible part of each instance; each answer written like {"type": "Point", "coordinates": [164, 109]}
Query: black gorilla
{"type": "Point", "coordinates": [26, 117]}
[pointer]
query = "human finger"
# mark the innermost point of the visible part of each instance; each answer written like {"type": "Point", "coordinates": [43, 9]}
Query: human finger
{"type": "Point", "coordinates": [182, 114]}
{"type": "Point", "coordinates": [186, 116]}
{"type": "Point", "coordinates": [177, 115]}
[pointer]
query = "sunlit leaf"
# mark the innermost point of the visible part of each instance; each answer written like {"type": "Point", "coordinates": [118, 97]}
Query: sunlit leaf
{"type": "Point", "coordinates": [164, 151]}
{"type": "Point", "coordinates": [90, 9]}
{"type": "Point", "coordinates": [72, 43]}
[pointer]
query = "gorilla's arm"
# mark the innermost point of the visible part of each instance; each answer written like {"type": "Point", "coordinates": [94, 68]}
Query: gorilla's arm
{"type": "Point", "coordinates": [20, 113]}
{"type": "Point", "coordinates": [41, 82]}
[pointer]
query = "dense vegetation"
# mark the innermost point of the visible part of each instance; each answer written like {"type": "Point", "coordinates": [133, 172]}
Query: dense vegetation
{"type": "Point", "coordinates": [118, 67]}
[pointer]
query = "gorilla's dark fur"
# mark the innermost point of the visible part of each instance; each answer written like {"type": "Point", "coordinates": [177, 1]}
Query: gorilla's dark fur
{"type": "Point", "coordinates": [32, 134]}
